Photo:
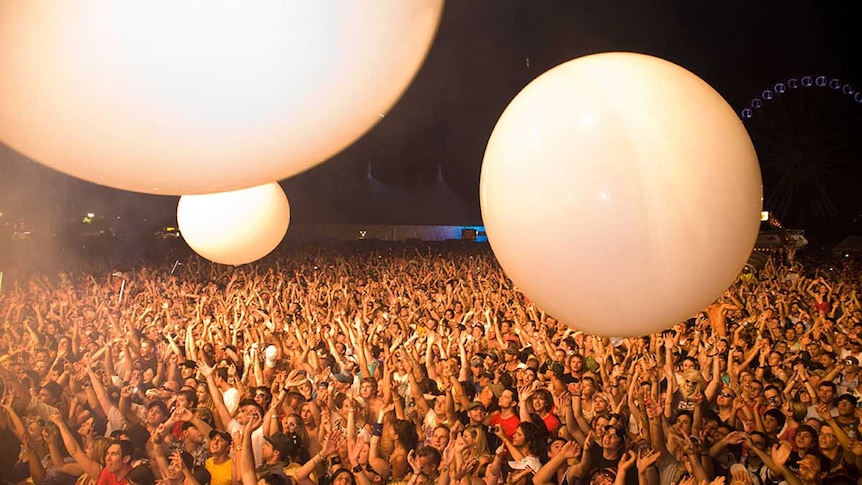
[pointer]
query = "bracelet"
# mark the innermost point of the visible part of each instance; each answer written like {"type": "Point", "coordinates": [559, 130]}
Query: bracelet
{"type": "Point", "coordinates": [377, 430]}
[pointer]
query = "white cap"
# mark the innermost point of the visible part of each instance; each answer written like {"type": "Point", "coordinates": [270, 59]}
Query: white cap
{"type": "Point", "coordinates": [270, 355]}
{"type": "Point", "coordinates": [529, 462]}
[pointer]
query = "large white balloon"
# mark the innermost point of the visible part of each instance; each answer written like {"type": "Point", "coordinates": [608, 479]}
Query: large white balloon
{"type": "Point", "coordinates": [621, 193]}
{"type": "Point", "coordinates": [165, 96]}
{"type": "Point", "coordinates": [235, 227]}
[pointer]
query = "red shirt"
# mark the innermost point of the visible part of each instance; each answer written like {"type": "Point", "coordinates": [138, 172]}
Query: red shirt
{"type": "Point", "coordinates": [509, 425]}
{"type": "Point", "coordinates": [108, 478]}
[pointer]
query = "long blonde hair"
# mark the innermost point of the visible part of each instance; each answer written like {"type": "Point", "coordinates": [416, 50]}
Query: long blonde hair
{"type": "Point", "coordinates": [99, 446]}
{"type": "Point", "coordinates": [480, 441]}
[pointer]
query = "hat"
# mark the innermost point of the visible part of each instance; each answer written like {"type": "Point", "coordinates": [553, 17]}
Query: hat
{"type": "Point", "coordinates": [530, 462]}
{"type": "Point", "coordinates": [223, 434]}
{"type": "Point", "coordinates": [189, 363]}
{"type": "Point", "coordinates": [497, 389]}
{"type": "Point", "coordinates": [270, 356]}
{"type": "Point", "coordinates": [851, 361]}
{"type": "Point", "coordinates": [847, 397]}
{"type": "Point", "coordinates": [813, 341]}
{"type": "Point", "coordinates": [477, 362]}
{"type": "Point", "coordinates": [476, 404]}
{"type": "Point", "coordinates": [281, 443]}
{"type": "Point", "coordinates": [344, 378]}
{"type": "Point", "coordinates": [521, 366]}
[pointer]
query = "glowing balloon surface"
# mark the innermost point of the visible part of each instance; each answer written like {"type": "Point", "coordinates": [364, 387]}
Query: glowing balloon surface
{"type": "Point", "coordinates": [165, 96]}
{"type": "Point", "coordinates": [621, 193]}
{"type": "Point", "coordinates": [235, 227]}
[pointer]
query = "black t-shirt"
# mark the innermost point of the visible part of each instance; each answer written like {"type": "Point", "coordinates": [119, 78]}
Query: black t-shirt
{"type": "Point", "coordinates": [599, 462]}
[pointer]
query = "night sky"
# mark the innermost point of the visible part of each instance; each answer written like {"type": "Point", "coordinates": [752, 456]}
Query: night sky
{"type": "Point", "coordinates": [425, 155]}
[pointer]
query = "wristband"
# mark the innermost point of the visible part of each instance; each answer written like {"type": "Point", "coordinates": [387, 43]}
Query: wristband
{"type": "Point", "coordinates": [357, 469]}
{"type": "Point", "coordinates": [377, 430]}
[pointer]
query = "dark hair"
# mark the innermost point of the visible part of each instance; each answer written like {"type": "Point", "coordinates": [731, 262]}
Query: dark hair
{"type": "Point", "coordinates": [251, 402]}
{"type": "Point", "coordinates": [141, 475]}
{"type": "Point", "coordinates": [191, 397]}
{"type": "Point", "coordinates": [830, 385]}
{"type": "Point", "coordinates": [202, 475]}
{"type": "Point", "coordinates": [127, 448]}
{"type": "Point", "coordinates": [278, 479]}
{"type": "Point", "coordinates": [534, 437]}
{"type": "Point", "coordinates": [161, 405]}
{"type": "Point", "coordinates": [405, 433]}
{"type": "Point", "coordinates": [546, 396]}
{"type": "Point", "coordinates": [221, 373]}
{"type": "Point", "coordinates": [778, 415]}
{"type": "Point", "coordinates": [684, 413]}
{"type": "Point", "coordinates": [515, 397]}
{"type": "Point", "coordinates": [338, 472]}
{"type": "Point", "coordinates": [431, 452]}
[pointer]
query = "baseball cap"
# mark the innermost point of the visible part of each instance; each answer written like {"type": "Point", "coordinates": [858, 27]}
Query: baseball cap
{"type": "Point", "coordinates": [280, 442]}
{"type": "Point", "coordinates": [530, 462]}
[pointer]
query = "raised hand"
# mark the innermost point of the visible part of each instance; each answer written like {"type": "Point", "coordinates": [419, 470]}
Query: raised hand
{"type": "Point", "coordinates": [626, 461]}
{"type": "Point", "coordinates": [781, 452]}
{"type": "Point", "coordinates": [647, 458]}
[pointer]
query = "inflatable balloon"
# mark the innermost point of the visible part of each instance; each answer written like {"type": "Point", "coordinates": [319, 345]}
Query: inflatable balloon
{"type": "Point", "coordinates": [235, 227]}
{"type": "Point", "coordinates": [620, 193]}
{"type": "Point", "coordinates": [165, 96]}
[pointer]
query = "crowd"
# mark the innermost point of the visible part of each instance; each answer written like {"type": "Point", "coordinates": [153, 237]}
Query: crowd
{"type": "Point", "coordinates": [419, 367]}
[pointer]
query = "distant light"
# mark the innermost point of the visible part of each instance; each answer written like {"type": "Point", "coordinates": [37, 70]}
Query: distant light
{"type": "Point", "coordinates": [764, 216]}
{"type": "Point", "coordinates": [91, 215]}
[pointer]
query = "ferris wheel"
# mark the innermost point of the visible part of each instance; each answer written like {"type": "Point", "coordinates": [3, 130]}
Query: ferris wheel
{"type": "Point", "coordinates": [806, 131]}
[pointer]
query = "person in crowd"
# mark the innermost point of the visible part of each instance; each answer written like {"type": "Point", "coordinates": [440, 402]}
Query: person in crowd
{"type": "Point", "coordinates": [414, 368]}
